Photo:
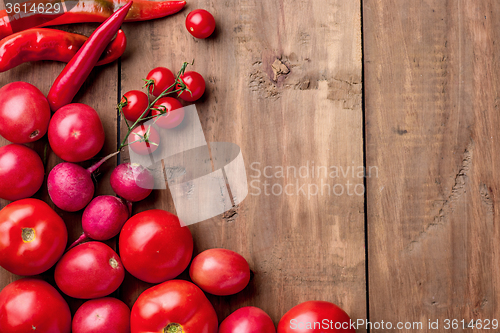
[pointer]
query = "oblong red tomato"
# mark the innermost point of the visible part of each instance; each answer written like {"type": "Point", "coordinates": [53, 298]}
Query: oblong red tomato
{"type": "Point", "coordinates": [89, 270]}
{"type": "Point", "coordinates": [248, 320]}
{"type": "Point", "coordinates": [155, 246]}
{"type": "Point", "coordinates": [102, 315]}
{"type": "Point", "coordinates": [315, 317]}
{"type": "Point", "coordinates": [32, 237]}
{"type": "Point", "coordinates": [21, 172]}
{"type": "Point", "coordinates": [173, 306]}
{"type": "Point", "coordinates": [220, 272]}
{"type": "Point", "coordinates": [31, 305]}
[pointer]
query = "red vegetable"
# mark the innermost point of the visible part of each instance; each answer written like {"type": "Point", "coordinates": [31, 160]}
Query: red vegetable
{"type": "Point", "coordinates": [49, 44]}
{"type": "Point", "coordinates": [174, 112]}
{"type": "Point", "coordinates": [132, 181]}
{"type": "Point", "coordinates": [200, 23]}
{"type": "Point", "coordinates": [173, 306]}
{"type": "Point", "coordinates": [24, 112]}
{"type": "Point", "coordinates": [302, 319]}
{"type": "Point", "coordinates": [102, 315]}
{"type": "Point", "coordinates": [195, 83]}
{"type": "Point", "coordinates": [33, 237]}
{"type": "Point", "coordinates": [89, 270]}
{"type": "Point", "coordinates": [137, 102]}
{"type": "Point", "coordinates": [31, 305]}
{"type": "Point", "coordinates": [144, 140]}
{"type": "Point", "coordinates": [78, 69]}
{"type": "Point", "coordinates": [155, 246]}
{"type": "Point", "coordinates": [21, 172]}
{"type": "Point", "coordinates": [220, 272]}
{"type": "Point", "coordinates": [163, 78]}
{"type": "Point", "coordinates": [87, 11]}
{"type": "Point", "coordinates": [248, 320]}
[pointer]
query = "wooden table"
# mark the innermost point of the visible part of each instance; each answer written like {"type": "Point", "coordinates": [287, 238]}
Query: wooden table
{"type": "Point", "coordinates": [406, 90]}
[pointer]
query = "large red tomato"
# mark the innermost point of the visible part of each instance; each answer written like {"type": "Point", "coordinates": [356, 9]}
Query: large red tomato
{"type": "Point", "coordinates": [155, 246]}
{"type": "Point", "coordinates": [315, 317]}
{"type": "Point", "coordinates": [76, 133]}
{"type": "Point", "coordinates": [32, 237]}
{"type": "Point", "coordinates": [24, 112]}
{"type": "Point", "coordinates": [248, 320]}
{"type": "Point", "coordinates": [173, 306]}
{"type": "Point", "coordinates": [31, 305]}
{"type": "Point", "coordinates": [220, 272]}
{"type": "Point", "coordinates": [21, 172]}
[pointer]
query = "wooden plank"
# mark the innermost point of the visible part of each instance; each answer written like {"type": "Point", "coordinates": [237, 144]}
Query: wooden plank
{"type": "Point", "coordinates": [299, 248]}
{"type": "Point", "coordinates": [431, 79]}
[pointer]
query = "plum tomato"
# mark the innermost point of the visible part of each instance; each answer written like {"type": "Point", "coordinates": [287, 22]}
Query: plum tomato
{"type": "Point", "coordinates": [137, 103]}
{"type": "Point", "coordinates": [200, 23]}
{"type": "Point", "coordinates": [33, 237]}
{"type": "Point", "coordinates": [302, 319]}
{"type": "Point", "coordinates": [89, 270]}
{"type": "Point", "coordinates": [32, 305]}
{"type": "Point", "coordinates": [21, 172]}
{"type": "Point", "coordinates": [155, 246]}
{"type": "Point", "coordinates": [174, 112]}
{"type": "Point", "coordinates": [76, 133]}
{"type": "Point", "coordinates": [144, 140]}
{"type": "Point", "coordinates": [163, 78]}
{"type": "Point", "coordinates": [102, 315]}
{"type": "Point", "coordinates": [220, 272]}
{"type": "Point", "coordinates": [248, 320]}
{"type": "Point", "coordinates": [24, 112]}
{"type": "Point", "coordinates": [173, 306]}
{"type": "Point", "coordinates": [195, 83]}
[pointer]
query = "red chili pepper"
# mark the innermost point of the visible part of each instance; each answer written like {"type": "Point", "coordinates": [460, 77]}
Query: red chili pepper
{"type": "Point", "coordinates": [78, 69]}
{"type": "Point", "coordinates": [87, 11]}
{"type": "Point", "coordinates": [49, 44]}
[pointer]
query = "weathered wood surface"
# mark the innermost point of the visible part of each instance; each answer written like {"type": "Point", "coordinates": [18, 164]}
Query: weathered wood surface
{"type": "Point", "coordinates": [431, 92]}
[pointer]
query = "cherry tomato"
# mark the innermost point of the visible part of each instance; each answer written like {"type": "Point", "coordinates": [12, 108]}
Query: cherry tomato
{"type": "Point", "coordinates": [163, 78]}
{"type": "Point", "coordinates": [76, 133]}
{"type": "Point", "coordinates": [220, 272]}
{"type": "Point", "coordinates": [21, 172]}
{"type": "Point", "coordinates": [89, 270]}
{"type": "Point", "coordinates": [137, 102]}
{"type": "Point", "coordinates": [155, 246]}
{"type": "Point", "coordinates": [24, 112]}
{"type": "Point", "coordinates": [33, 237]}
{"type": "Point", "coordinates": [302, 319]}
{"type": "Point", "coordinates": [31, 305]}
{"type": "Point", "coordinates": [102, 315]}
{"type": "Point", "coordinates": [141, 144]}
{"type": "Point", "coordinates": [195, 83]}
{"type": "Point", "coordinates": [173, 306]}
{"type": "Point", "coordinates": [174, 113]}
{"type": "Point", "coordinates": [200, 23]}
{"type": "Point", "coordinates": [248, 320]}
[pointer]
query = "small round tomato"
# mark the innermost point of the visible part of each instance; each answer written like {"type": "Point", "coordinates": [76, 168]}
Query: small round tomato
{"type": "Point", "coordinates": [220, 272]}
{"type": "Point", "coordinates": [248, 320]}
{"type": "Point", "coordinates": [155, 246]}
{"type": "Point", "coordinates": [76, 133]}
{"type": "Point", "coordinates": [24, 112]}
{"type": "Point", "coordinates": [21, 172]}
{"type": "Point", "coordinates": [195, 83]}
{"type": "Point", "coordinates": [137, 103]}
{"type": "Point", "coordinates": [89, 270]}
{"type": "Point", "coordinates": [31, 305]}
{"type": "Point", "coordinates": [102, 315]}
{"type": "Point", "coordinates": [174, 113]}
{"type": "Point", "coordinates": [200, 23]}
{"type": "Point", "coordinates": [302, 319]}
{"type": "Point", "coordinates": [144, 140]}
{"type": "Point", "coordinates": [173, 306]}
{"type": "Point", "coordinates": [163, 78]}
{"type": "Point", "coordinates": [33, 237]}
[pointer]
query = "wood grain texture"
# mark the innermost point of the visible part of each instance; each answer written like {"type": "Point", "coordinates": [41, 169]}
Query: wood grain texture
{"type": "Point", "coordinates": [299, 248]}
{"type": "Point", "coordinates": [431, 87]}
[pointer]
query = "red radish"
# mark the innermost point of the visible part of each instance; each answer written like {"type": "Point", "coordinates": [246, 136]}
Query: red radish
{"type": "Point", "coordinates": [132, 181]}
{"type": "Point", "coordinates": [21, 172]}
{"type": "Point", "coordinates": [89, 270]}
{"type": "Point", "coordinates": [70, 186]}
{"type": "Point", "coordinates": [248, 319]}
{"type": "Point", "coordinates": [144, 139]}
{"type": "Point", "coordinates": [102, 315]}
{"type": "Point", "coordinates": [103, 218]}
